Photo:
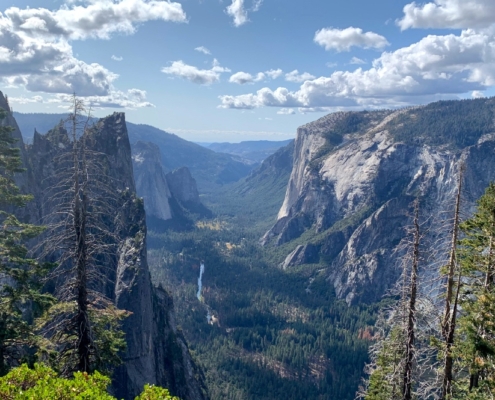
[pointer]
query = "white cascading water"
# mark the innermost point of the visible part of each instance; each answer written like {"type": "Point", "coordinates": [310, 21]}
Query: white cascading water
{"type": "Point", "coordinates": [200, 284]}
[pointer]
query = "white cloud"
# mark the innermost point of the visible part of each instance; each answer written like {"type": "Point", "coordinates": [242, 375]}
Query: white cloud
{"type": "Point", "coordinates": [295, 76]}
{"type": "Point", "coordinates": [356, 60]}
{"type": "Point", "coordinates": [242, 78]}
{"type": "Point", "coordinates": [274, 73]}
{"type": "Point", "coordinates": [35, 50]}
{"type": "Point", "coordinates": [286, 111]}
{"type": "Point", "coordinates": [194, 74]}
{"type": "Point", "coordinates": [307, 110]}
{"type": "Point", "coordinates": [459, 14]}
{"type": "Point", "coordinates": [476, 94]}
{"type": "Point", "coordinates": [257, 5]}
{"type": "Point", "coordinates": [434, 68]}
{"type": "Point", "coordinates": [117, 58]}
{"type": "Point", "coordinates": [331, 64]}
{"type": "Point", "coordinates": [343, 39]}
{"type": "Point", "coordinates": [237, 11]}
{"type": "Point", "coordinates": [131, 99]}
{"type": "Point", "coordinates": [99, 19]}
{"type": "Point", "coordinates": [202, 49]}
{"type": "Point", "coordinates": [25, 100]}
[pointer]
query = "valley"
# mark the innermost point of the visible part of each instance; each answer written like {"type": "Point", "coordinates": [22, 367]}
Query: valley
{"type": "Point", "coordinates": [278, 270]}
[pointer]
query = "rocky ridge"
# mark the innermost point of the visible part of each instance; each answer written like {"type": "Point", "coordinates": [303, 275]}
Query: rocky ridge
{"type": "Point", "coordinates": [353, 182]}
{"type": "Point", "coordinates": [156, 351]}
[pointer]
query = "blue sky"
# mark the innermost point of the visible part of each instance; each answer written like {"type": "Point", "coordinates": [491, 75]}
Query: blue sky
{"type": "Point", "coordinates": [232, 70]}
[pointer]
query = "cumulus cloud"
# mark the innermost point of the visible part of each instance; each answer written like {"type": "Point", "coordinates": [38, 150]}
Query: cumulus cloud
{"type": "Point", "coordinates": [356, 61]}
{"type": "Point", "coordinates": [99, 19]}
{"type": "Point", "coordinates": [459, 14]}
{"type": "Point", "coordinates": [295, 76]}
{"type": "Point", "coordinates": [274, 73]}
{"type": "Point", "coordinates": [286, 111]}
{"type": "Point", "coordinates": [130, 99]}
{"type": "Point", "coordinates": [202, 49]}
{"type": "Point", "coordinates": [435, 67]}
{"type": "Point", "coordinates": [25, 100]}
{"type": "Point", "coordinates": [194, 74]}
{"type": "Point", "coordinates": [117, 58]}
{"type": "Point", "coordinates": [35, 50]}
{"type": "Point", "coordinates": [343, 39]}
{"type": "Point", "coordinates": [308, 110]}
{"type": "Point", "coordinates": [476, 94]}
{"type": "Point", "coordinates": [237, 11]}
{"type": "Point", "coordinates": [242, 78]}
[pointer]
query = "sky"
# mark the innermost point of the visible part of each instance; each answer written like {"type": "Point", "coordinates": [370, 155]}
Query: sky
{"type": "Point", "coordinates": [234, 70]}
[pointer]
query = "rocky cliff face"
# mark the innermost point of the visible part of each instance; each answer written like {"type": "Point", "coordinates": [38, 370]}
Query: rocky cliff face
{"type": "Point", "coordinates": [156, 351]}
{"type": "Point", "coordinates": [21, 179]}
{"type": "Point", "coordinates": [151, 183]}
{"type": "Point", "coordinates": [167, 197]}
{"type": "Point", "coordinates": [183, 186]}
{"type": "Point", "coordinates": [355, 176]}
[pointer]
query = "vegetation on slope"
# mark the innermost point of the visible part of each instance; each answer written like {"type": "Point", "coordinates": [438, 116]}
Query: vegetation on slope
{"type": "Point", "coordinates": [453, 123]}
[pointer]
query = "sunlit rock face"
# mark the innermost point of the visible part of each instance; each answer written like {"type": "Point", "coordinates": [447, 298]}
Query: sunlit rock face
{"type": "Point", "coordinates": [355, 176]}
{"type": "Point", "coordinates": [151, 183]}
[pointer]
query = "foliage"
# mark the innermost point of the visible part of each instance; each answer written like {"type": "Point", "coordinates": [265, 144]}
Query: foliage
{"type": "Point", "coordinates": [280, 334]}
{"type": "Point", "coordinates": [21, 276]}
{"type": "Point", "coordinates": [42, 382]}
{"type": "Point", "coordinates": [152, 392]}
{"type": "Point", "coordinates": [476, 346]}
{"type": "Point", "coordinates": [455, 123]}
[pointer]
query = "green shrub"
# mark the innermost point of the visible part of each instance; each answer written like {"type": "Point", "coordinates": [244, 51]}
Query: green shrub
{"type": "Point", "coordinates": [42, 382]}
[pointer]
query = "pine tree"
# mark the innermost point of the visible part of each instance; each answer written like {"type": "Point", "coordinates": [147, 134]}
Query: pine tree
{"type": "Point", "coordinates": [20, 276]}
{"type": "Point", "coordinates": [476, 344]}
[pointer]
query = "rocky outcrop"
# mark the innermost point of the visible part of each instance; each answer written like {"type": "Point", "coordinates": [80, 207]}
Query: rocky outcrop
{"type": "Point", "coordinates": [151, 334]}
{"type": "Point", "coordinates": [307, 254]}
{"type": "Point", "coordinates": [352, 184]}
{"type": "Point", "coordinates": [169, 199]}
{"type": "Point", "coordinates": [183, 186]}
{"type": "Point", "coordinates": [151, 183]}
{"type": "Point", "coordinates": [21, 179]}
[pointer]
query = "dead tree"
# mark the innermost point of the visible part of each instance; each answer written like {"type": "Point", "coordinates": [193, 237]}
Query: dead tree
{"type": "Point", "coordinates": [411, 311]}
{"type": "Point", "coordinates": [80, 239]}
{"type": "Point", "coordinates": [451, 295]}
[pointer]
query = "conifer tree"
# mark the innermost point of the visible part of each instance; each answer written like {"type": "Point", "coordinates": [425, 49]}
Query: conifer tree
{"type": "Point", "coordinates": [476, 344]}
{"type": "Point", "coordinates": [20, 276]}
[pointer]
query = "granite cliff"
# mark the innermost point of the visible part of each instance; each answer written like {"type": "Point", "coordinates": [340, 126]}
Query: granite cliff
{"type": "Point", "coordinates": [355, 175]}
{"type": "Point", "coordinates": [169, 199]}
{"type": "Point", "coordinates": [156, 350]}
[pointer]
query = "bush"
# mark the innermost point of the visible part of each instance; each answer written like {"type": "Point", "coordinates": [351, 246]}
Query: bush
{"type": "Point", "coordinates": [42, 382]}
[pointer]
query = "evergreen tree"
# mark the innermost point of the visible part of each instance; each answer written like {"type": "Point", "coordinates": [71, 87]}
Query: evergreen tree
{"type": "Point", "coordinates": [476, 344]}
{"type": "Point", "coordinates": [20, 276]}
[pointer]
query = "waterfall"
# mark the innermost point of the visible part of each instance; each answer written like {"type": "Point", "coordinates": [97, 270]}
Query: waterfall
{"type": "Point", "coordinates": [200, 284]}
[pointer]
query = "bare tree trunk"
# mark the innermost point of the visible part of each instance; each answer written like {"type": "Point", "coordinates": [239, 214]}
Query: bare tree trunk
{"type": "Point", "coordinates": [411, 318]}
{"type": "Point", "coordinates": [81, 255]}
{"type": "Point", "coordinates": [450, 313]}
